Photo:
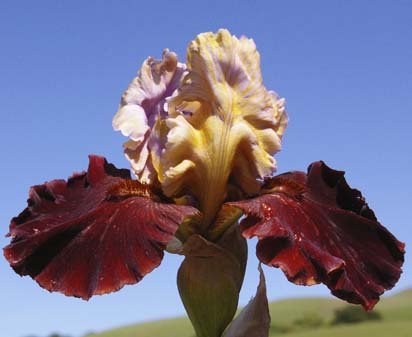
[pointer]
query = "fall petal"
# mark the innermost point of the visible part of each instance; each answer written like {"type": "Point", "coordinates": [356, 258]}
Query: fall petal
{"type": "Point", "coordinates": [93, 233]}
{"type": "Point", "coordinates": [143, 104]}
{"type": "Point", "coordinates": [317, 229]}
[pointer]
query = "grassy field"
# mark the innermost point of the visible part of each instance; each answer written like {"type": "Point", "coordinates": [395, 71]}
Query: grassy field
{"type": "Point", "coordinates": [396, 312]}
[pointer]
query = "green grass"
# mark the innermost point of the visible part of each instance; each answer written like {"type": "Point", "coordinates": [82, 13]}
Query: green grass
{"type": "Point", "coordinates": [382, 329]}
{"type": "Point", "coordinates": [396, 321]}
{"type": "Point", "coordinates": [178, 327]}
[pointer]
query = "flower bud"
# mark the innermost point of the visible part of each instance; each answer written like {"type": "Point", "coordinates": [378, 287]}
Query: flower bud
{"type": "Point", "coordinates": [209, 281]}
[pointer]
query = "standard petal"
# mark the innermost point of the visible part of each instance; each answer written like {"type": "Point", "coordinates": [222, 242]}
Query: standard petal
{"type": "Point", "coordinates": [318, 229]}
{"type": "Point", "coordinates": [223, 123]}
{"type": "Point", "coordinates": [93, 233]}
{"type": "Point", "coordinates": [142, 105]}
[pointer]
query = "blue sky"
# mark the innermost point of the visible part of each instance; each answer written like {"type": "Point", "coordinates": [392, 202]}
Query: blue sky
{"type": "Point", "coordinates": [344, 67]}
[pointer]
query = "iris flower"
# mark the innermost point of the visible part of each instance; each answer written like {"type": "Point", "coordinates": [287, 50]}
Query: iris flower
{"type": "Point", "coordinates": [202, 140]}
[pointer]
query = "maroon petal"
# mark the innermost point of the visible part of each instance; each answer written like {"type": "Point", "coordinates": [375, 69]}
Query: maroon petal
{"type": "Point", "coordinates": [318, 229]}
{"type": "Point", "coordinates": [92, 234]}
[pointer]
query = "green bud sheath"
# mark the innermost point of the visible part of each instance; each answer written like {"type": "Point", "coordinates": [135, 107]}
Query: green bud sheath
{"type": "Point", "coordinates": [209, 281]}
{"type": "Point", "coordinates": [254, 319]}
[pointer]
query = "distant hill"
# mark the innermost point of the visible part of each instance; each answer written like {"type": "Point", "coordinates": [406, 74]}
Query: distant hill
{"type": "Point", "coordinates": [288, 315]}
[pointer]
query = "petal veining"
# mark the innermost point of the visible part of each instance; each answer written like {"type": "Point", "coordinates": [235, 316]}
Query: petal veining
{"type": "Point", "coordinates": [223, 123]}
{"type": "Point", "coordinates": [316, 228]}
{"type": "Point", "coordinates": [93, 233]}
{"type": "Point", "coordinates": [142, 105]}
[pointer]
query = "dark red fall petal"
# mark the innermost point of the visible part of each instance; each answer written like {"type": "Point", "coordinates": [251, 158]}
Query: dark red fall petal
{"type": "Point", "coordinates": [318, 229]}
{"type": "Point", "coordinates": [92, 234]}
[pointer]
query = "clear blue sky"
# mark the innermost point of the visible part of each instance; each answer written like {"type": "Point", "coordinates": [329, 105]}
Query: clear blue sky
{"type": "Point", "coordinates": [345, 68]}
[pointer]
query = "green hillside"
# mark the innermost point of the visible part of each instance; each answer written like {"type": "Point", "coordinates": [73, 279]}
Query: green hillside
{"type": "Point", "coordinates": [288, 315]}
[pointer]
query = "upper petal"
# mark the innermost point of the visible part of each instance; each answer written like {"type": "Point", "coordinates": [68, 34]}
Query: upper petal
{"type": "Point", "coordinates": [142, 105]}
{"type": "Point", "coordinates": [93, 233]}
{"type": "Point", "coordinates": [318, 229]}
{"type": "Point", "coordinates": [223, 123]}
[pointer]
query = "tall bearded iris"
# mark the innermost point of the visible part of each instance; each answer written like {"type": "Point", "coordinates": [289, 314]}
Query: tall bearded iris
{"type": "Point", "coordinates": [202, 140]}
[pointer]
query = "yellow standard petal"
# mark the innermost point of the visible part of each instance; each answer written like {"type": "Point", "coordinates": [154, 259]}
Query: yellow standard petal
{"type": "Point", "coordinates": [224, 126]}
